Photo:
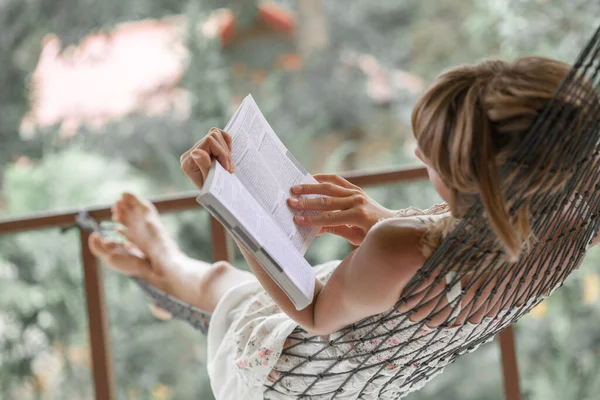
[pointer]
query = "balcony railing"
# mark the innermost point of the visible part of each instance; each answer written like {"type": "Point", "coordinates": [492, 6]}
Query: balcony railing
{"type": "Point", "coordinates": [104, 380]}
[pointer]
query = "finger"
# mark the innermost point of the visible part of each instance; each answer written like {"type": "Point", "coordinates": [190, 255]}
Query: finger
{"type": "Point", "coordinates": [228, 139]}
{"type": "Point", "coordinates": [335, 178]}
{"type": "Point", "coordinates": [324, 203]}
{"type": "Point", "coordinates": [329, 189]}
{"type": "Point", "coordinates": [221, 139]}
{"type": "Point", "coordinates": [215, 132]}
{"type": "Point", "coordinates": [218, 151]}
{"type": "Point", "coordinates": [226, 153]}
{"type": "Point", "coordinates": [197, 167]}
{"type": "Point", "coordinates": [352, 234]}
{"type": "Point", "coordinates": [194, 147]}
{"type": "Point", "coordinates": [347, 217]}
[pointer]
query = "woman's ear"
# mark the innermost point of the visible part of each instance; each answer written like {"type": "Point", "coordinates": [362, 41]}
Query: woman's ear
{"type": "Point", "coordinates": [419, 155]}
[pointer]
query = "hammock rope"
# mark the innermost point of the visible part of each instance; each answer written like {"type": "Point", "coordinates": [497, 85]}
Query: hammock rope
{"type": "Point", "coordinates": [492, 293]}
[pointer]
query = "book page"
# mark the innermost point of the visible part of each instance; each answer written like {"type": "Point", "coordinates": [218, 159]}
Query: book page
{"type": "Point", "coordinates": [257, 229]}
{"type": "Point", "coordinates": [268, 170]}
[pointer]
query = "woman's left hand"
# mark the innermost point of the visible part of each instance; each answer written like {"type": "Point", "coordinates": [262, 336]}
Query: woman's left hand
{"type": "Point", "coordinates": [347, 211]}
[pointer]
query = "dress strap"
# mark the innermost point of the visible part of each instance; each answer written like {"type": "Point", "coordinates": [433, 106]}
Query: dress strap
{"type": "Point", "coordinates": [435, 209]}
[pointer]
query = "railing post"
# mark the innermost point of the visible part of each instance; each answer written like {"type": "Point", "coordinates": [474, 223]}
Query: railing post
{"type": "Point", "coordinates": [102, 367]}
{"type": "Point", "coordinates": [220, 244]}
{"type": "Point", "coordinates": [510, 368]}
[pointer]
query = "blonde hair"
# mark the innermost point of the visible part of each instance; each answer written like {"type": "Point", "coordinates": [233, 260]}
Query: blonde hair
{"type": "Point", "coordinates": [470, 122]}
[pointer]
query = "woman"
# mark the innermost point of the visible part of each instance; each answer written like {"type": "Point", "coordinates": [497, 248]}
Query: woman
{"type": "Point", "coordinates": [467, 124]}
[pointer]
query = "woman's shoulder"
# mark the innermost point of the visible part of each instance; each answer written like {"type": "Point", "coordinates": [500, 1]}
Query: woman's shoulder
{"type": "Point", "coordinates": [400, 228]}
{"type": "Point", "coordinates": [398, 242]}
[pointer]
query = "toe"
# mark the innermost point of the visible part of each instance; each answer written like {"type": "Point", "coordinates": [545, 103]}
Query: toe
{"type": "Point", "coordinates": [134, 250]}
{"type": "Point", "coordinates": [125, 201]}
{"type": "Point", "coordinates": [135, 202]}
{"type": "Point", "coordinates": [122, 212]}
{"type": "Point", "coordinates": [127, 197]}
{"type": "Point", "coordinates": [123, 231]}
{"type": "Point", "coordinates": [116, 213]}
{"type": "Point", "coordinates": [111, 246]}
{"type": "Point", "coordinates": [132, 200]}
{"type": "Point", "coordinates": [96, 244]}
{"type": "Point", "coordinates": [117, 217]}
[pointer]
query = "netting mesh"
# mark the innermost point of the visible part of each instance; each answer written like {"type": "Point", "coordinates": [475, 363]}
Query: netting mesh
{"type": "Point", "coordinates": [467, 291]}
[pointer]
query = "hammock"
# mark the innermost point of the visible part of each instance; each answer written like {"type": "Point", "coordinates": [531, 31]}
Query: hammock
{"type": "Point", "coordinates": [484, 293]}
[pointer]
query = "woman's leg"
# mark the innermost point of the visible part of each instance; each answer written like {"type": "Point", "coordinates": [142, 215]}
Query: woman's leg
{"type": "Point", "coordinates": [153, 256]}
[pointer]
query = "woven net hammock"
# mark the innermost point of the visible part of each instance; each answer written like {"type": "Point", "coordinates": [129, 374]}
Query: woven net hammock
{"type": "Point", "coordinates": [467, 291]}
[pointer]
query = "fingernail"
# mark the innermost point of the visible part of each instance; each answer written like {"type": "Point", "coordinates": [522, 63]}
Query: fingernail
{"type": "Point", "coordinates": [293, 202]}
{"type": "Point", "coordinates": [195, 155]}
{"type": "Point", "coordinates": [297, 189]}
{"type": "Point", "coordinates": [299, 218]}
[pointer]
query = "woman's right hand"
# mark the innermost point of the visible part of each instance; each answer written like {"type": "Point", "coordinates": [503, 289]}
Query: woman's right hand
{"type": "Point", "coordinates": [344, 208]}
{"type": "Point", "coordinates": [196, 162]}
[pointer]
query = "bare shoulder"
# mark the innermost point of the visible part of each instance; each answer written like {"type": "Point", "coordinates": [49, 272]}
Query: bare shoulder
{"type": "Point", "coordinates": [396, 244]}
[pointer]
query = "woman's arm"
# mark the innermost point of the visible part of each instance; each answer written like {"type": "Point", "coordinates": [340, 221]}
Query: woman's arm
{"type": "Point", "coordinates": [367, 282]}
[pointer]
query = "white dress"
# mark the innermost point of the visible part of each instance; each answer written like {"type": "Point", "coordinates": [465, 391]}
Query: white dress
{"type": "Point", "coordinates": [246, 336]}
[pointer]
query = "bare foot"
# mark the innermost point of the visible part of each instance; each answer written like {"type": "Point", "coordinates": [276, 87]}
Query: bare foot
{"type": "Point", "coordinates": [152, 255]}
{"type": "Point", "coordinates": [143, 228]}
{"type": "Point", "coordinates": [129, 261]}
{"type": "Point", "coordinates": [126, 259]}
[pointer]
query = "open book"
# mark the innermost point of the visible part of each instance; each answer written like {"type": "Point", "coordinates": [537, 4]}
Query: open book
{"type": "Point", "coordinates": [251, 203]}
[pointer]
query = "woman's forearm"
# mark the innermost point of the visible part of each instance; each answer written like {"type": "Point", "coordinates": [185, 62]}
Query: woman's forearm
{"type": "Point", "coordinates": [305, 317]}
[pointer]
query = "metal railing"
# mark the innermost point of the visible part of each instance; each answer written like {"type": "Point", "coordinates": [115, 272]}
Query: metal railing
{"type": "Point", "coordinates": [102, 368]}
